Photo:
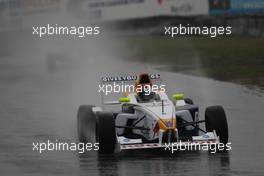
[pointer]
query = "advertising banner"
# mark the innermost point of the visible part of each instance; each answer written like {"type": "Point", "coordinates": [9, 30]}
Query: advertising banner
{"type": "Point", "coordinates": [104, 10]}
{"type": "Point", "coordinates": [14, 14]}
{"type": "Point", "coordinates": [186, 7]}
{"type": "Point", "coordinates": [29, 6]}
{"type": "Point", "coordinates": [236, 6]}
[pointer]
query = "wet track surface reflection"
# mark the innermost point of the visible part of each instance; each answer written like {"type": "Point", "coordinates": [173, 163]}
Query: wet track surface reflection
{"type": "Point", "coordinates": [37, 105]}
{"type": "Point", "coordinates": [160, 163]}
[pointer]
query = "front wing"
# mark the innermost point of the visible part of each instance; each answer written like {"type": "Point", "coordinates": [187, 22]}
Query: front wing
{"type": "Point", "coordinates": [133, 144]}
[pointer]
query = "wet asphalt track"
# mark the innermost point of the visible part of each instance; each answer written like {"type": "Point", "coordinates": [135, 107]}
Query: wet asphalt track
{"type": "Point", "coordinates": [37, 105]}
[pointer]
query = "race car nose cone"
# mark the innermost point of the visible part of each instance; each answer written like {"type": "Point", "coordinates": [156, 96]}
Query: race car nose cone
{"type": "Point", "coordinates": [167, 124]}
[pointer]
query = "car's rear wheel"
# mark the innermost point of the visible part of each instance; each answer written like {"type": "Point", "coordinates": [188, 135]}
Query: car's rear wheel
{"type": "Point", "coordinates": [188, 101]}
{"type": "Point", "coordinates": [215, 119]}
{"type": "Point", "coordinates": [86, 121]}
{"type": "Point", "coordinates": [106, 133]}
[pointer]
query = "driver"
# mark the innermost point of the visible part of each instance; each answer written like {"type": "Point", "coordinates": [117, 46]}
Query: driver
{"type": "Point", "coordinates": [144, 84]}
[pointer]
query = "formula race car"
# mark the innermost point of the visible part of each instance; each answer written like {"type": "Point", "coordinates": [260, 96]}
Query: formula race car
{"type": "Point", "coordinates": [148, 119]}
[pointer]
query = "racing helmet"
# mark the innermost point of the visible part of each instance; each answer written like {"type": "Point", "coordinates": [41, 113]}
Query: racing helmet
{"type": "Point", "coordinates": [144, 84]}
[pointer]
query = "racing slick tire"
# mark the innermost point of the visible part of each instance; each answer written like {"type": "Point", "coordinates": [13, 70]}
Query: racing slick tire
{"type": "Point", "coordinates": [215, 119]}
{"type": "Point", "coordinates": [188, 101]}
{"type": "Point", "coordinates": [106, 133]}
{"type": "Point", "coordinates": [86, 120]}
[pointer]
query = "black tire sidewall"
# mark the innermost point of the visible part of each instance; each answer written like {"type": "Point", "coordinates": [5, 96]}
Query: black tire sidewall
{"type": "Point", "coordinates": [85, 118]}
{"type": "Point", "coordinates": [215, 119]}
{"type": "Point", "coordinates": [106, 133]}
{"type": "Point", "coordinates": [188, 101]}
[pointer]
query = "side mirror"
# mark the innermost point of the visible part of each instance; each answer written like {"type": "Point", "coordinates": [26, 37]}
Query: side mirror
{"type": "Point", "coordinates": [124, 100]}
{"type": "Point", "coordinates": [177, 97]}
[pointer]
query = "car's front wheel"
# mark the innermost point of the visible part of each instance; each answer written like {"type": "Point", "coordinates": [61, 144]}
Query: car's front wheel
{"type": "Point", "coordinates": [106, 133]}
{"type": "Point", "coordinates": [86, 123]}
{"type": "Point", "coordinates": [215, 119]}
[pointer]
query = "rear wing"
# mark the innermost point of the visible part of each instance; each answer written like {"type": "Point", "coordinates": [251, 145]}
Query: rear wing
{"type": "Point", "coordinates": [122, 80]}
